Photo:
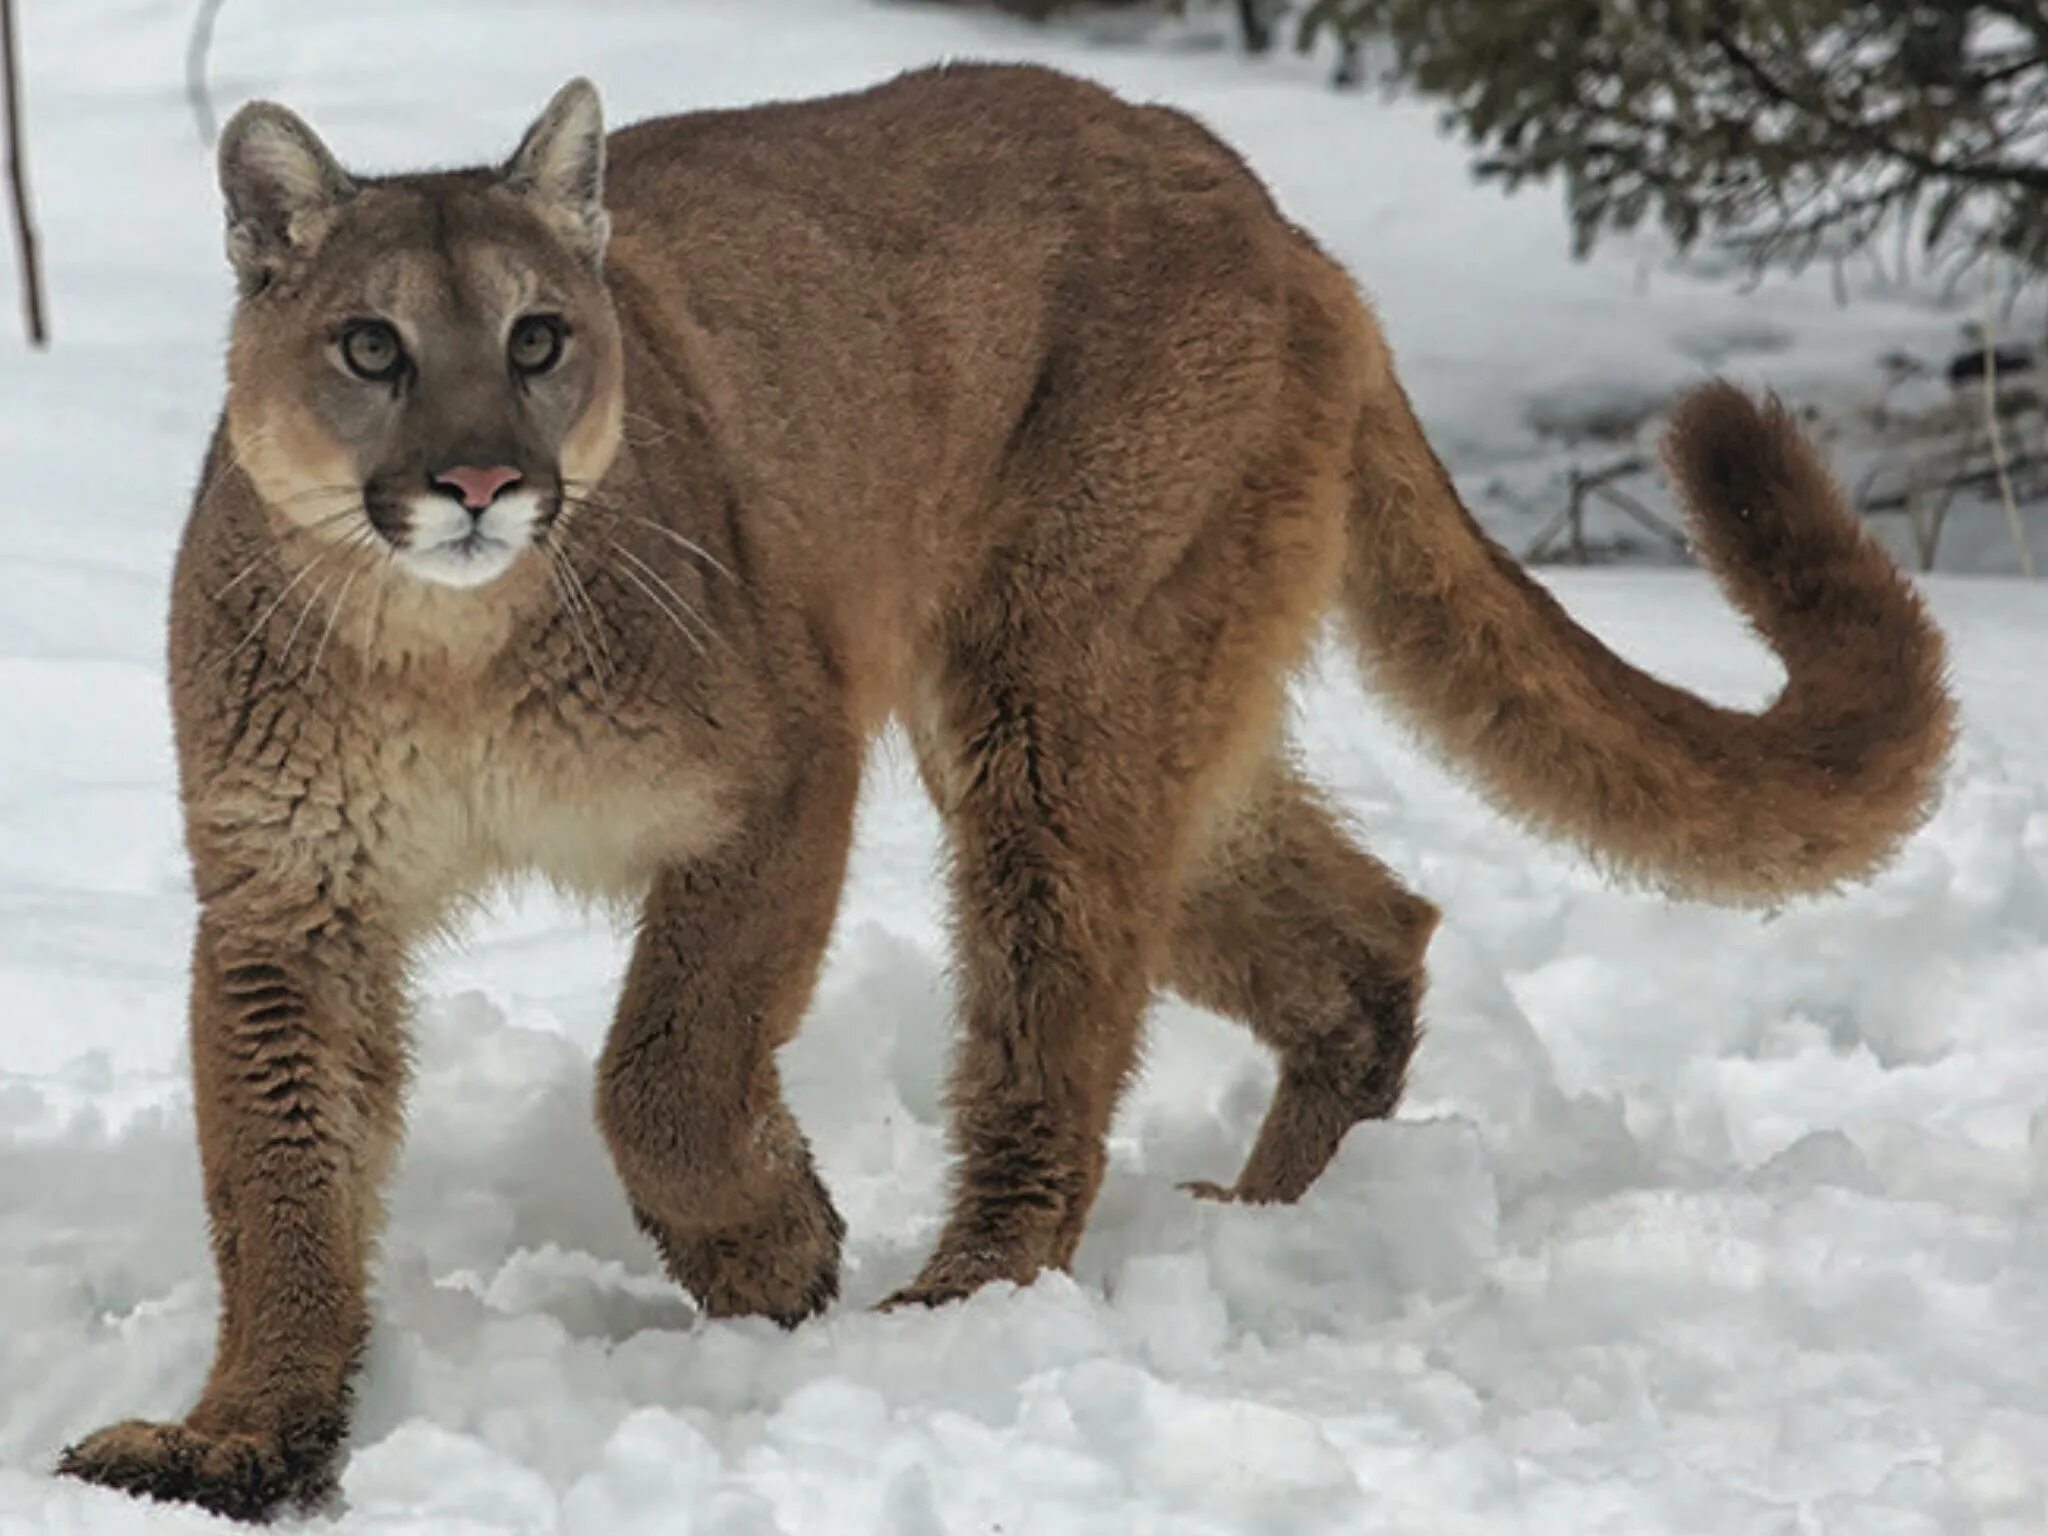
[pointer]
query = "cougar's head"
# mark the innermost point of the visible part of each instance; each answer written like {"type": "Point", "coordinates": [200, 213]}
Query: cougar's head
{"type": "Point", "coordinates": [430, 363]}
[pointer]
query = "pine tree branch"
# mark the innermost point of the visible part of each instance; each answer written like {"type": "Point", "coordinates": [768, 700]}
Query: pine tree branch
{"type": "Point", "coordinates": [2030, 18]}
{"type": "Point", "coordinates": [1982, 172]}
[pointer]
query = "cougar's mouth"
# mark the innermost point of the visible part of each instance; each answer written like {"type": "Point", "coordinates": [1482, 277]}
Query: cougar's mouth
{"type": "Point", "coordinates": [451, 546]}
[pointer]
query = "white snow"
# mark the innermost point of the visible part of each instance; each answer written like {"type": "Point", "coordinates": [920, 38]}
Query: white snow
{"type": "Point", "coordinates": [1693, 1222]}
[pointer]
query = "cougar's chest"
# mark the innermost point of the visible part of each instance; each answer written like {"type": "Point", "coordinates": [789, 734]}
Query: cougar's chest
{"type": "Point", "coordinates": [599, 816]}
{"type": "Point", "coordinates": [484, 789]}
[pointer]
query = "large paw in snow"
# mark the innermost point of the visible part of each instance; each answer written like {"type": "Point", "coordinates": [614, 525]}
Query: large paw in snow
{"type": "Point", "coordinates": [956, 1276]}
{"type": "Point", "coordinates": [926, 1293]}
{"type": "Point", "coordinates": [784, 1265]}
{"type": "Point", "coordinates": [1243, 1192]}
{"type": "Point", "coordinates": [238, 1473]}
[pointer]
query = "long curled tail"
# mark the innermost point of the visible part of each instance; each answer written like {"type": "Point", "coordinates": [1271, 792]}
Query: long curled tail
{"type": "Point", "coordinates": [1819, 788]}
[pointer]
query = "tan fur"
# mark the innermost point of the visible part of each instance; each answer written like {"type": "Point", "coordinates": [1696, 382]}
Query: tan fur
{"type": "Point", "coordinates": [982, 401]}
{"type": "Point", "coordinates": [1658, 784]}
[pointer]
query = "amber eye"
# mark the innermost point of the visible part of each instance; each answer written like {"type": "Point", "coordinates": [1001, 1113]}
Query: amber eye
{"type": "Point", "coordinates": [372, 350]}
{"type": "Point", "coordinates": [536, 344]}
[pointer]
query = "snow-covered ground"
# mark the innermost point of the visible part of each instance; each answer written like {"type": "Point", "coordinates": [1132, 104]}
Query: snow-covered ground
{"type": "Point", "coordinates": [1693, 1222]}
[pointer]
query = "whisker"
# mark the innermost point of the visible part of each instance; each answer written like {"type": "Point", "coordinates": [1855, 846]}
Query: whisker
{"type": "Point", "coordinates": [584, 493]}
{"type": "Point", "coordinates": [357, 539]}
{"type": "Point", "coordinates": [231, 463]}
{"type": "Point", "coordinates": [333, 617]}
{"type": "Point", "coordinates": [295, 531]}
{"type": "Point", "coordinates": [340, 514]}
{"type": "Point", "coordinates": [243, 574]}
{"type": "Point", "coordinates": [681, 540]}
{"type": "Point", "coordinates": [373, 611]}
{"type": "Point", "coordinates": [597, 625]}
{"type": "Point", "coordinates": [686, 543]}
{"type": "Point", "coordinates": [314, 492]}
{"type": "Point", "coordinates": [300, 623]}
{"type": "Point", "coordinates": [563, 534]}
{"type": "Point", "coordinates": [661, 434]}
{"type": "Point", "coordinates": [582, 593]}
{"type": "Point", "coordinates": [569, 608]}
{"type": "Point", "coordinates": [662, 608]}
{"type": "Point", "coordinates": [276, 603]}
{"type": "Point", "coordinates": [585, 501]}
{"type": "Point", "coordinates": [680, 601]}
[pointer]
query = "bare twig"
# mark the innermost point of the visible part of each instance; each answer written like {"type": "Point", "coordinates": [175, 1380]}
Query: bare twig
{"type": "Point", "coordinates": [1258, 31]}
{"type": "Point", "coordinates": [1959, 480]}
{"type": "Point", "coordinates": [1583, 485]}
{"type": "Point", "coordinates": [1622, 502]}
{"type": "Point", "coordinates": [197, 49]}
{"type": "Point", "coordinates": [1572, 517]}
{"type": "Point", "coordinates": [17, 176]}
{"type": "Point", "coordinates": [1991, 427]}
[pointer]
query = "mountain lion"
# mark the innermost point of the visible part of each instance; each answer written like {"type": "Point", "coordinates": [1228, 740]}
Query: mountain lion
{"type": "Point", "coordinates": [591, 514]}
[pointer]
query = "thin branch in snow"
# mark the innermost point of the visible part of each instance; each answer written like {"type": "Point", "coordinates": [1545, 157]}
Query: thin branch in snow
{"type": "Point", "coordinates": [17, 177]}
{"type": "Point", "coordinates": [1991, 427]}
{"type": "Point", "coordinates": [197, 50]}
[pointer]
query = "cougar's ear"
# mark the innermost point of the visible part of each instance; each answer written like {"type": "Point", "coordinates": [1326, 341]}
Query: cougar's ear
{"type": "Point", "coordinates": [277, 180]}
{"type": "Point", "coordinates": [559, 166]}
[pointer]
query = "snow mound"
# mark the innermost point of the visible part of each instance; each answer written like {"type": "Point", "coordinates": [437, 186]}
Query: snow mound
{"type": "Point", "coordinates": [1694, 1221]}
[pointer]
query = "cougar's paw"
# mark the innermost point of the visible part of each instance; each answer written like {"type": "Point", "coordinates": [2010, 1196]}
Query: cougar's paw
{"type": "Point", "coordinates": [241, 1474]}
{"type": "Point", "coordinates": [1252, 1189]}
{"type": "Point", "coordinates": [784, 1266]}
{"type": "Point", "coordinates": [924, 1293]}
{"type": "Point", "coordinates": [956, 1276]}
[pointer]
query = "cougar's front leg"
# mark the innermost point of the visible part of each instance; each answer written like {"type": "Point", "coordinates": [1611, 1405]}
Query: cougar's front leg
{"type": "Point", "coordinates": [298, 1070]}
{"type": "Point", "coordinates": [688, 1095]}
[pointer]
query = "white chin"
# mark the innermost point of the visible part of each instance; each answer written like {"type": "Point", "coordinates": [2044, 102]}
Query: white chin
{"type": "Point", "coordinates": [448, 549]}
{"type": "Point", "coordinates": [467, 563]}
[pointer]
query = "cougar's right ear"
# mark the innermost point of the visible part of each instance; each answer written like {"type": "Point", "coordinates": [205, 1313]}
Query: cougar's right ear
{"type": "Point", "coordinates": [277, 179]}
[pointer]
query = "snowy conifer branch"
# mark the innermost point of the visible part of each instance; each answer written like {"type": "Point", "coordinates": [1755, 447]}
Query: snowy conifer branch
{"type": "Point", "coordinates": [1794, 128]}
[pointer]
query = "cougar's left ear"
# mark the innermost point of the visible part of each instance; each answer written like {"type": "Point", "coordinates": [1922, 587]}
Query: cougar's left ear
{"type": "Point", "coordinates": [559, 166]}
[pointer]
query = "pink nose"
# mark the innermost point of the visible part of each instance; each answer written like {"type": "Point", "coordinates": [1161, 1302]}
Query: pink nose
{"type": "Point", "coordinates": [478, 488]}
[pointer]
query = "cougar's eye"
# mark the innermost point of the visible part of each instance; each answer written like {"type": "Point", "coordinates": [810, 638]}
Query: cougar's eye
{"type": "Point", "coordinates": [372, 350]}
{"type": "Point", "coordinates": [536, 343]}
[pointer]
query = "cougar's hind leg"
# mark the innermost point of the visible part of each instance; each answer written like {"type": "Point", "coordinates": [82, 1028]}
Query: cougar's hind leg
{"type": "Point", "coordinates": [1074, 795]}
{"type": "Point", "coordinates": [1061, 910]}
{"type": "Point", "coordinates": [1291, 927]}
{"type": "Point", "coordinates": [1170, 527]}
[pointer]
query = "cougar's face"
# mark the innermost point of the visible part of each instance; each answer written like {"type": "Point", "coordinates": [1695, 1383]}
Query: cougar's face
{"type": "Point", "coordinates": [427, 365]}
